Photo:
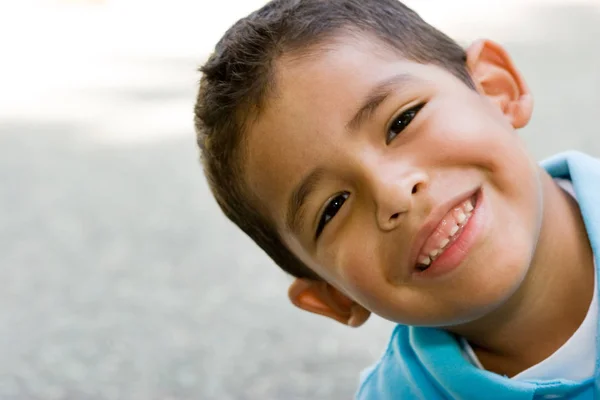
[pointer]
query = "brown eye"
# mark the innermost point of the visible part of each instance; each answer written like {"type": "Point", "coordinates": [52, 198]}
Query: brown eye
{"type": "Point", "coordinates": [401, 122]}
{"type": "Point", "coordinates": [330, 211]}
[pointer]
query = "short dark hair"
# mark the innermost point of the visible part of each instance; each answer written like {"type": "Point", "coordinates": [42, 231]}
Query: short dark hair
{"type": "Point", "coordinates": [238, 78]}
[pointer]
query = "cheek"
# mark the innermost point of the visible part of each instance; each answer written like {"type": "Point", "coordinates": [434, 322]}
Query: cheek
{"type": "Point", "coordinates": [358, 265]}
{"type": "Point", "coordinates": [475, 135]}
{"type": "Point", "coordinates": [468, 127]}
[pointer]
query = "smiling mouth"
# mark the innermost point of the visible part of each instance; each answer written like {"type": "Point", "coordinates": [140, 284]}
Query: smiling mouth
{"type": "Point", "coordinates": [446, 233]}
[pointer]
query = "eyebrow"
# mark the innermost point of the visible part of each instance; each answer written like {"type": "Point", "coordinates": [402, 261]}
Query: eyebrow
{"type": "Point", "coordinates": [295, 214]}
{"type": "Point", "coordinates": [376, 96]}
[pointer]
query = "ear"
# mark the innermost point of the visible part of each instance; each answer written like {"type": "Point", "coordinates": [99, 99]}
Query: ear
{"type": "Point", "coordinates": [496, 77]}
{"type": "Point", "coordinates": [321, 298]}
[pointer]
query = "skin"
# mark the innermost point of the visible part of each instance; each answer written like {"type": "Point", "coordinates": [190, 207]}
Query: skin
{"type": "Point", "coordinates": [531, 265]}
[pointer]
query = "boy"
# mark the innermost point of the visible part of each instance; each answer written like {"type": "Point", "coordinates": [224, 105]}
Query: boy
{"type": "Point", "coordinates": [377, 162]}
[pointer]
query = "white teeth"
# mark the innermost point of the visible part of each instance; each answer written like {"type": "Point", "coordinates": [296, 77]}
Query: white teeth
{"type": "Point", "coordinates": [461, 214]}
{"type": "Point", "coordinates": [460, 217]}
{"type": "Point", "coordinates": [468, 206]}
{"type": "Point", "coordinates": [454, 230]}
{"type": "Point", "coordinates": [434, 253]}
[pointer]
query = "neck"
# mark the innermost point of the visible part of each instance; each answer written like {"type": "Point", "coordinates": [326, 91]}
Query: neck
{"type": "Point", "coordinates": [552, 301]}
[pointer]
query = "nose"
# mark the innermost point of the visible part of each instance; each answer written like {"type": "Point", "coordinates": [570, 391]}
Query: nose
{"type": "Point", "coordinates": [395, 193]}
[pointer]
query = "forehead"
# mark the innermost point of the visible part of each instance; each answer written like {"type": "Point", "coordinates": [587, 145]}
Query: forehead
{"type": "Point", "coordinates": [315, 96]}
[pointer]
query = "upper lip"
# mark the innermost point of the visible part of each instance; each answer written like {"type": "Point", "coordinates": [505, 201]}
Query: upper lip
{"type": "Point", "coordinates": [432, 222]}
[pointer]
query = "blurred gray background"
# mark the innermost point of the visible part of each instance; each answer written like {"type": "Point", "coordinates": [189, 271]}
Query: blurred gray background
{"type": "Point", "coordinates": [119, 277]}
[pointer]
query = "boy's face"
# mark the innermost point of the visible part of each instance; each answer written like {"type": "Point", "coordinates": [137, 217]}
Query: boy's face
{"type": "Point", "coordinates": [425, 208]}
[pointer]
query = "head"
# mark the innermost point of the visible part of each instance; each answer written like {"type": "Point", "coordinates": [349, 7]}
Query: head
{"type": "Point", "coordinates": [348, 137]}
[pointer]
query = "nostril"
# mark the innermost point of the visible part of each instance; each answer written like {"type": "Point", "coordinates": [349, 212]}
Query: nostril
{"type": "Point", "coordinates": [415, 189]}
{"type": "Point", "coordinates": [395, 216]}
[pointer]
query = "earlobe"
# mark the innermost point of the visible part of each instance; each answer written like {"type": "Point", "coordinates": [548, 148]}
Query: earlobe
{"type": "Point", "coordinates": [496, 77]}
{"type": "Point", "coordinates": [321, 298]}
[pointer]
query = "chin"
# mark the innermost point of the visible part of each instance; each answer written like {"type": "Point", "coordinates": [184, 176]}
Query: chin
{"type": "Point", "coordinates": [478, 290]}
{"type": "Point", "coordinates": [478, 296]}
{"type": "Point", "coordinates": [495, 293]}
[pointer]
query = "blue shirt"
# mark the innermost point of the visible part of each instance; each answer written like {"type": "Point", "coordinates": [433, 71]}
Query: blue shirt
{"type": "Point", "coordinates": [427, 363]}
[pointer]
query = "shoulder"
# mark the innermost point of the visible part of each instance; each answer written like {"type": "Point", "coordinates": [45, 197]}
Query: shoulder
{"type": "Point", "coordinates": [397, 374]}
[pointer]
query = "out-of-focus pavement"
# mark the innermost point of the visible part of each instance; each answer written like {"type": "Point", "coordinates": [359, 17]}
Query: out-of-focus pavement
{"type": "Point", "coordinates": [119, 278]}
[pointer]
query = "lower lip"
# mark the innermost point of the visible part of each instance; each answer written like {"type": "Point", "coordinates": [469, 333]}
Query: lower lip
{"type": "Point", "coordinates": [458, 251]}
